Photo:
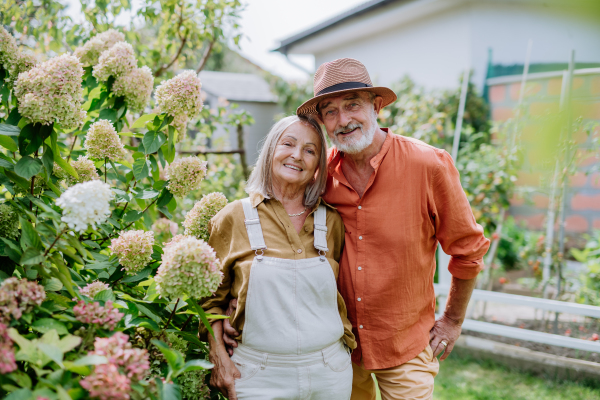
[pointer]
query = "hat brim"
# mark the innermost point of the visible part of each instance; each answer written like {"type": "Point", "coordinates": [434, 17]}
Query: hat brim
{"type": "Point", "coordinates": [310, 106]}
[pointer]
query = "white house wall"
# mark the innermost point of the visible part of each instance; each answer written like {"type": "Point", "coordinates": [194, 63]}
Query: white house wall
{"type": "Point", "coordinates": [433, 41]}
{"type": "Point", "coordinates": [432, 50]}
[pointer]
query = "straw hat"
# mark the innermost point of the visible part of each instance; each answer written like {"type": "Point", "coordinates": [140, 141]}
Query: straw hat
{"type": "Point", "coordinates": [339, 76]}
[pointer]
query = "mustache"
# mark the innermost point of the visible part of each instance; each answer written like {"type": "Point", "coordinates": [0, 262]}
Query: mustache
{"type": "Point", "coordinates": [348, 128]}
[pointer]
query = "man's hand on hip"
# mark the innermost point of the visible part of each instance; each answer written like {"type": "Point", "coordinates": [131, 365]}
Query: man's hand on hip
{"type": "Point", "coordinates": [229, 334]}
{"type": "Point", "coordinates": [443, 335]}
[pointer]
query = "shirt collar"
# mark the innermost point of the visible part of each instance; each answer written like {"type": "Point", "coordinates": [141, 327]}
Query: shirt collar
{"type": "Point", "coordinates": [336, 156]}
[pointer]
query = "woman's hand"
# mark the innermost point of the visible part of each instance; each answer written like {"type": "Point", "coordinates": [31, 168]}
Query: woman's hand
{"type": "Point", "coordinates": [224, 373]}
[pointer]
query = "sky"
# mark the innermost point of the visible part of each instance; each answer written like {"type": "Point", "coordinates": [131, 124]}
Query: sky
{"type": "Point", "coordinates": [266, 22]}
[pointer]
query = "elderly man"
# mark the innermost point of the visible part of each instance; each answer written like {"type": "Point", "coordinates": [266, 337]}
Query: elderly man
{"type": "Point", "coordinates": [398, 197]}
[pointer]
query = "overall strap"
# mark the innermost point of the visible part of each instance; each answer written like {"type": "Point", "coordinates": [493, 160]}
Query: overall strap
{"type": "Point", "coordinates": [255, 234]}
{"type": "Point", "coordinates": [321, 229]}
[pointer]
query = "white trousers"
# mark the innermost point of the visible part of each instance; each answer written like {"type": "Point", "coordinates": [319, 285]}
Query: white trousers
{"type": "Point", "coordinates": [321, 375]}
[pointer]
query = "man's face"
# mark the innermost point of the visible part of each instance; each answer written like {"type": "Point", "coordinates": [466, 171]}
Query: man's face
{"type": "Point", "coordinates": [350, 120]}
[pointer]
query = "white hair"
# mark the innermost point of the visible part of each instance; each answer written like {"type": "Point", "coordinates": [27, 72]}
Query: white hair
{"type": "Point", "coordinates": [261, 178]}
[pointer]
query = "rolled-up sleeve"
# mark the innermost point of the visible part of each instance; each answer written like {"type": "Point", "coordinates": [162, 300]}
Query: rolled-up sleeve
{"type": "Point", "coordinates": [459, 234]}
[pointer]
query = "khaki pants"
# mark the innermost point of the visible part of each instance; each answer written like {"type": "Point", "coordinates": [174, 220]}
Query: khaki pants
{"type": "Point", "coordinates": [412, 380]}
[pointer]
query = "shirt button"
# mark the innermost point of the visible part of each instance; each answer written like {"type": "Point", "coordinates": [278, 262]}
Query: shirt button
{"type": "Point", "coordinates": [360, 207]}
{"type": "Point", "coordinates": [360, 326]}
{"type": "Point", "coordinates": [359, 299]}
{"type": "Point", "coordinates": [360, 237]}
{"type": "Point", "coordinates": [359, 268]}
{"type": "Point", "coordinates": [299, 251]}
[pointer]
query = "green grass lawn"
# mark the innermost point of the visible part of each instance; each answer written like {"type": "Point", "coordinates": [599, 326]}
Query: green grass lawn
{"type": "Point", "coordinates": [466, 379]}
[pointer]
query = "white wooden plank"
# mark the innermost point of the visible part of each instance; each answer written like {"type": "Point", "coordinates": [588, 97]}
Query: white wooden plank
{"type": "Point", "coordinates": [534, 302]}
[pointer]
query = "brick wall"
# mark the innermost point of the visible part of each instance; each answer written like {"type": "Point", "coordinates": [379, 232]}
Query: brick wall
{"type": "Point", "coordinates": [542, 94]}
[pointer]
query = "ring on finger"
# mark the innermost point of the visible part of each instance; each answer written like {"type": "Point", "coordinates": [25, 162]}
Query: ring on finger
{"type": "Point", "coordinates": [444, 343]}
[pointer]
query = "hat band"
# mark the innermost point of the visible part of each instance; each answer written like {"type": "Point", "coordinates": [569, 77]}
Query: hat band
{"type": "Point", "coordinates": [343, 86]}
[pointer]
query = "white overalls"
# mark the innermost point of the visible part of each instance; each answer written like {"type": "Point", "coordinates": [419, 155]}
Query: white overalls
{"type": "Point", "coordinates": [291, 344]}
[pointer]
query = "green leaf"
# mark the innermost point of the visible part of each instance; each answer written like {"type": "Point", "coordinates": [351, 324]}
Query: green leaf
{"type": "Point", "coordinates": [105, 295]}
{"type": "Point", "coordinates": [14, 117]}
{"type": "Point", "coordinates": [164, 198]}
{"type": "Point", "coordinates": [27, 167]}
{"type": "Point", "coordinates": [68, 343]}
{"type": "Point", "coordinates": [65, 165]}
{"type": "Point", "coordinates": [152, 141]}
{"type": "Point", "coordinates": [17, 179]}
{"type": "Point", "coordinates": [21, 394]}
{"type": "Point", "coordinates": [144, 323]}
{"type": "Point", "coordinates": [146, 194]}
{"type": "Point", "coordinates": [132, 216]}
{"type": "Point", "coordinates": [147, 312]}
{"type": "Point", "coordinates": [52, 352]}
{"type": "Point", "coordinates": [194, 365]}
{"type": "Point", "coordinates": [141, 121]}
{"type": "Point", "coordinates": [91, 360]}
{"type": "Point", "coordinates": [48, 159]}
{"type": "Point", "coordinates": [21, 379]}
{"type": "Point", "coordinates": [201, 314]}
{"type": "Point", "coordinates": [109, 114]}
{"type": "Point", "coordinates": [32, 136]}
{"type": "Point", "coordinates": [136, 278]}
{"type": "Point", "coordinates": [32, 256]}
{"type": "Point", "coordinates": [9, 130]}
{"type": "Point", "coordinates": [8, 143]}
{"type": "Point", "coordinates": [47, 324]}
{"type": "Point", "coordinates": [170, 391]}
{"type": "Point", "coordinates": [173, 357]}
{"type": "Point", "coordinates": [53, 285]}
{"type": "Point", "coordinates": [141, 168]}
{"type": "Point", "coordinates": [29, 236]}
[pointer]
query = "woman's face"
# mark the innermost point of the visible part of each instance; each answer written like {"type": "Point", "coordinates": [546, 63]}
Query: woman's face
{"type": "Point", "coordinates": [296, 156]}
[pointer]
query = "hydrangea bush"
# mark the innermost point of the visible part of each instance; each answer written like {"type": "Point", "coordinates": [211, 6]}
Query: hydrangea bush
{"type": "Point", "coordinates": [91, 304]}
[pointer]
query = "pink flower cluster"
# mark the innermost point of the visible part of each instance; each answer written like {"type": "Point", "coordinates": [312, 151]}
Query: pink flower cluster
{"type": "Point", "coordinates": [119, 351]}
{"type": "Point", "coordinates": [18, 296]}
{"type": "Point", "coordinates": [51, 92]}
{"type": "Point", "coordinates": [126, 365]}
{"type": "Point", "coordinates": [91, 50]}
{"type": "Point", "coordinates": [134, 249]}
{"type": "Point", "coordinates": [116, 61]}
{"type": "Point", "coordinates": [176, 239]}
{"type": "Point", "coordinates": [107, 317]}
{"type": "Point", "coordinates": [7, 352]}
{"type": "Point", "coordinates": [102, 141]}
{"type": "Point", "coordinates": [11, 59]}
{"type": "Point", "coordinates": [185, 175]}
{"type": "Point", "coordinates": [163, 226]}
{"type": "Point", "coordinates": [136, 86]}
{"type": "Point", "coordinates": [92, 289]}
{"type": "Point", "coordinates": [106, 383]}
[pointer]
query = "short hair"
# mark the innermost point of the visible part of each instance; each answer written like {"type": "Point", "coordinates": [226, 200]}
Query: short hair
{"type": "Point", "coordinates": [371, 95]}
{"type": "Point", "coordinates": [261, 178]}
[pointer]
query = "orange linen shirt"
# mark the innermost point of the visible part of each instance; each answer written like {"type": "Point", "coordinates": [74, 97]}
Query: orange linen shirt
{"type": "Point", "coordinates": [413, 200]}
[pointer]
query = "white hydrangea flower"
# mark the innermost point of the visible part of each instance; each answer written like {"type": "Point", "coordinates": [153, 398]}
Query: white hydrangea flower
{"type": "Point", "coordinates": [136, 86]}
{"type": "Point", "coordinates": [52, 92]}
{"type": "Point", "coordinates": [91, 50]}
{"type": "Point", "coordinates": [189, 266]}
{"type": "Point", "coordinates": [180, 95]}
{"type": "Point", "coordinates": [85, 204]}
{"type": "Point", "coordinates": [92, 289]}
{"type": "Point", "coordinates": [118, 60]}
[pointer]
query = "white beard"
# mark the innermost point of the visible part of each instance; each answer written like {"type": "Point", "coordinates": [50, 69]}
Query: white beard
{"type": "Point", "coordinates": [355, 146]}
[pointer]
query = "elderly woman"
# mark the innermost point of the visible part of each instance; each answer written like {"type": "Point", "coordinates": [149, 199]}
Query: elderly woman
{"type": "Point", "coordinates": [279, 250]}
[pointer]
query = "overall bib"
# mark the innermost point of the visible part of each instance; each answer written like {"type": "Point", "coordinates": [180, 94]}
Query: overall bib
{"type": "Point", "coordinates": [291, 344]}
